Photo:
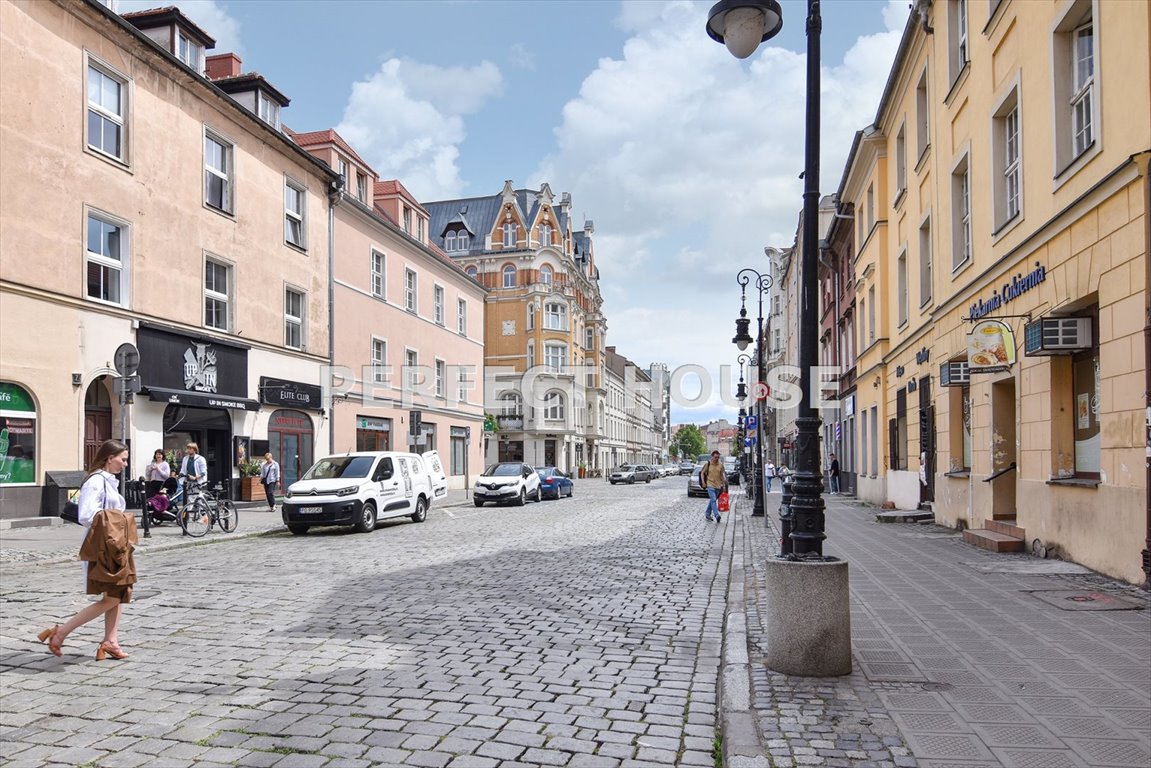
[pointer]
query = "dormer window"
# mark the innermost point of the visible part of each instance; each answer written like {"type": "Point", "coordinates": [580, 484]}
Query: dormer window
{"type": "Point", "coordinates": [190, 52]}
{"type": "Point", "coordinates": [509, 235]}
{"type": "Point", "coordinates": [462, 240]}
{"type": "Point", "coordinates": [269, 110]}
{"type": "Point", "coordinates": [545, 234]}
{"type": "Point", "coordinates": [450, 241]}
{"type": "Point", "coordinates": [362, 188]}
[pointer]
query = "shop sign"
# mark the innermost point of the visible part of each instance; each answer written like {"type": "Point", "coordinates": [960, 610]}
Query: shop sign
{"type": "Point", "coordinates": [460, 432]}
{"type": "Point", "coordinates": [1019, 285]}
{"type": "Point", "coordinates": [14, 398]}
{"type": "Point", "coordinates": [990, 347]}
{"type": "Point", "coordinates": [196, 365]}
{"type": "Point", "coordinates": [292, 394]}
{"type": "Point", "coordinates": [374, 425]}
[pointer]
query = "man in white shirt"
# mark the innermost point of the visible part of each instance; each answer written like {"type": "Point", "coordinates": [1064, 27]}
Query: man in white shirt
{"type": "Point", "coordinates": [270, 478]}
{"type": "Point", "coordinates": [768, 475]}
{"type": "Point", "coordinates": [194, 466]}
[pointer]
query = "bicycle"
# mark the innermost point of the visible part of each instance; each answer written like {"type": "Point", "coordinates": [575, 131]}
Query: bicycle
{"type": "Point", "coordinates": [202, 509]}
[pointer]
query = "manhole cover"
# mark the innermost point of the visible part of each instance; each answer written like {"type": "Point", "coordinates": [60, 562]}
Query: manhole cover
{"type": "Point", "coordinates": [1086, 600]}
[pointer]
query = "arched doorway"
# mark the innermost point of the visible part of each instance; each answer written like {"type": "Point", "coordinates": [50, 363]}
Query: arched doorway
{"type": "Point", "coordinates": [290, 439]}
{"type": "Point", "coordinates": [97, 418]}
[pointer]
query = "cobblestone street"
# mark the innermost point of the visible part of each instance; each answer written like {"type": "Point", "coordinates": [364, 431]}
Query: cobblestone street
{"type": "Point", "coordinates": [581, 632]}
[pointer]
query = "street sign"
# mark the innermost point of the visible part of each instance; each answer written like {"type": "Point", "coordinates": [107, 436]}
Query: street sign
{"type": "Point", "coordinates": [751, 423]}
{"type": "Point", "coordinates": [414, 423]}
{"type": "Point", "coordinates": [126, 384]}
{"type": "Point", "coordinates": [467, 433]}
{"type": "Point", "coordinates": [127, 359]}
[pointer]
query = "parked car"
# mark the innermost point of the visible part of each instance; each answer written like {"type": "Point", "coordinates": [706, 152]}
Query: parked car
{"type": "Point", "coordinates": [554, 484]}
{"type": "Point", "coordinates": [686, 467]}
{"type": "Point", "coordinates": [670, 469]}
{"type": "Point", "coordinates": [508, 482]}
{"type": "Point", "coordinates": [693, 486]}
{"type": "Point", "coordinates": [632, 473]}
{"type": "Point", "coordinates": [358, 490]}
{"type": "Point", "coordinates": [731, 467]}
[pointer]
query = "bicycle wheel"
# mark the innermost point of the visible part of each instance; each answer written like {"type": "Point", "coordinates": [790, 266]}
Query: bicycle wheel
{"type": "Point", "coordinates": [227, 515]}
{"type": "Point", "coordinates": [196, 518]}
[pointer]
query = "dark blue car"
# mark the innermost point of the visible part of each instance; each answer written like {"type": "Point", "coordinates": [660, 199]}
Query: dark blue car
{"type": "Point", "coordinates": [554, 483]}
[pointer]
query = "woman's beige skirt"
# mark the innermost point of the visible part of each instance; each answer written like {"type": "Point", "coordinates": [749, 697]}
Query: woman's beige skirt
{"type": "Point", "coordinates": [122, 592]}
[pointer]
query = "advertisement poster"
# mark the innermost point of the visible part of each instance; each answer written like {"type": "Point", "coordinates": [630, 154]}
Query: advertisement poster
{"type": "Point", "coordinates": [243, 446]}
{"type": "Point", "coordinates": [1083, 410]}
{"type": "Point", "coordinates": [990, 347]}
{"type": "Point", "coordinates": [17, 450]}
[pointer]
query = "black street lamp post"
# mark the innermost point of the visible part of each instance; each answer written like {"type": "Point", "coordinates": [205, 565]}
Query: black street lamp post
{"type": "Point", "coordinates": [759, 390]}
{"type": "Point", "coordinates": [746, 460]}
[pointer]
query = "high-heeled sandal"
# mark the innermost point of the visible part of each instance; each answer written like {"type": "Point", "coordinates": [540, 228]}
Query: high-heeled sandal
{"type": "Point", "coordinates": [107, 649]}
{"type": "Point", "coordinates": [49, 636]}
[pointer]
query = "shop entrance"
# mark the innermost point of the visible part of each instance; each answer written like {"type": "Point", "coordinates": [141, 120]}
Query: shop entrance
{"type": "Point", "coordinates": [290, 439]}
{"type": "Point", "coordinates": [97, 418]}
{"type": "Point", "coordinates": [926, 442]}
{"type": "Point", "coordinates": [1003, 459]}
{"type": "Point", "coordinates": [549, 453]}
{"type": "Point", "coordinates": [210, 429]}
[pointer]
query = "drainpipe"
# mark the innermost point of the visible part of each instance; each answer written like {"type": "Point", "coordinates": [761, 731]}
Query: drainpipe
{"type": "Point", "coordinates": [1143, 160]}
{"type": "Point", "coordinates": [335, 195]}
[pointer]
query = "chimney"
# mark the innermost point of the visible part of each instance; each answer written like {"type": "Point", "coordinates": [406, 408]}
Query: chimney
{"type": "Point", "coordinates": [223, 65]}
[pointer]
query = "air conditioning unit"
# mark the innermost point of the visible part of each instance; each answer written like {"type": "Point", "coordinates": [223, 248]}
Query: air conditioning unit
{"type": "Point", "coordinates": [954, 374]}
{"type": "Point", "coordinates": [1057, 336]}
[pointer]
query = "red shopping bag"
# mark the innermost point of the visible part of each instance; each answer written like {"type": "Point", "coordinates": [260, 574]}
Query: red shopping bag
{"type": "Point", "coordinates": [723, 502]}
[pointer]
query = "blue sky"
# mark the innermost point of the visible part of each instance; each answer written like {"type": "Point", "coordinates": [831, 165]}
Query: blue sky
{"type": "Point", "coordinates": [686, 159]}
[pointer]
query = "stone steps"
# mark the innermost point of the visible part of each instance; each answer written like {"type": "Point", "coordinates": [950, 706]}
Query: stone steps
{"type": "Point", "coordinates": [994, 541]}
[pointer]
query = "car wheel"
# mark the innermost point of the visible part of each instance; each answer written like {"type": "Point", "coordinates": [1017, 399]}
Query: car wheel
{"type": "Point", "coordinates": [648, 480]}
{"type": "Point", "coordinates": [298, 530]}
{"type": "Point", "coordinates": [571, 490]}
{"type": "Point", "coordinates": [612, 482]}
{"type": "Point", "coordinates": [522, 498]}
{"type": "Point", "coordinates": [539, 495]}
{"type": "Point", "coordinates": [367, 521]}
{"type": "Point", "coordinates": [421, 513]}
{"type": "Point", "coordinates": [478, 502]}
{"type": "Point", "coordinates": [631, 481]}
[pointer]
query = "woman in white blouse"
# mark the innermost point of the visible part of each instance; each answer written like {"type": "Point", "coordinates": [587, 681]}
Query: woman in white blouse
{"type": "Point", "coordinates": [156, 473]}
{"type": "Point", "coordinates": [100, 491]}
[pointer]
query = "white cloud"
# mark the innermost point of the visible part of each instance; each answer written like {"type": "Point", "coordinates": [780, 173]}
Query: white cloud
{"type": "Point", "coordinates": [209, 15]}
{"type": "Point", "coordinates": [520, 56]}
{"type": "Point", "coordinates": [406, 121]}
{"type": "Point", "coordinates": [688, 161]}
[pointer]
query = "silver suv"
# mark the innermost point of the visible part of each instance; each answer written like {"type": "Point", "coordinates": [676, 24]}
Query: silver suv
{"type": "Point", "coordinates": [632, 473]}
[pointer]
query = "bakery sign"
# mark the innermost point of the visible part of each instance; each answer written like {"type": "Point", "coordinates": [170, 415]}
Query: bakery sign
{"type": "Point", "coordinates": [990, 347]}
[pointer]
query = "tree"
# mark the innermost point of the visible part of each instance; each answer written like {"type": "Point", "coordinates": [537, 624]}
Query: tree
{"type": "Point", "coordinates": [689, 441]}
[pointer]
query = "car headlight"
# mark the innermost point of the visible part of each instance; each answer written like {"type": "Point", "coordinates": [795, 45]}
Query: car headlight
{"type": "Point", "coordinates": [349, 491]}
{"type": "Point", "coordinates": [288, 494]}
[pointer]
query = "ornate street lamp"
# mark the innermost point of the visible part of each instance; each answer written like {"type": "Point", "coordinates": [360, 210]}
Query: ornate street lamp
{"type": "Point", "coordinates": [741, 340]}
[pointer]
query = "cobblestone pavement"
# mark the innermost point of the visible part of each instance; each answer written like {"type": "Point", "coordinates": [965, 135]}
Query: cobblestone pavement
{"type": "Point", "coordinates": [962, 658]}
{"type": "Point", "coordinates": [582, 632]}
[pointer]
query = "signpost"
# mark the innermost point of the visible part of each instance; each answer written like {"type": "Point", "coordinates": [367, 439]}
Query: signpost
{"type": "Point", "coordinates": [127, 362]}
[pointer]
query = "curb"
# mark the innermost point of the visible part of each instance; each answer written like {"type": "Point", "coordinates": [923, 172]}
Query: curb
{"type": "Point", "coordinates": [741, 744]}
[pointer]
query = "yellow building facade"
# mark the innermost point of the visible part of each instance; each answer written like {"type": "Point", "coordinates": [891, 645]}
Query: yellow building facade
{"type": "Point", "coordinates": [1011, 289]}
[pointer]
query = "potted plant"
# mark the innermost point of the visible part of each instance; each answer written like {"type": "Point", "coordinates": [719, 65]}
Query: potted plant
{"type": "Point", "coordinates": [250, 488]}
{"type": "Point", "coordinates": [582, 470]}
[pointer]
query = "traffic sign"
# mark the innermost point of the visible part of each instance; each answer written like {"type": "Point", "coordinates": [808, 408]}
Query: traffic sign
{"type": "Point", "coordinates": [467, 433]}
{"type": "Point", "coordinates": [751, 423]}
{"type": "Point", "coordinates": [127, 359]}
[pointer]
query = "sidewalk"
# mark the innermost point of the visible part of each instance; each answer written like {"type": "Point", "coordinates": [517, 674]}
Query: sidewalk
{"type": "Point", "coordinates": [961, 657]}
{"type": "Point", "coordinates": [60, 541]}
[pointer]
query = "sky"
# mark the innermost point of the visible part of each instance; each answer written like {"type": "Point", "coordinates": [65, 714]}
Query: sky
{"type": "Point", "coordinates": [686, 159]}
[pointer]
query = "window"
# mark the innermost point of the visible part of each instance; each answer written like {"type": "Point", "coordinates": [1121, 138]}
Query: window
{"type": "Point", "coordinates": [294, 202]}
{"type": "Point", "coordinates": [875, 441]}
{"type": "Point", "coordinates": [960, 215]}
{"type": "Point", "coordinates": [217, 173]}
{"type": "Point", "coordinates": [462, 241]}
{"type": "Point", "coordinates": [441, 372]}
{"type": "Point", "coordinates": [555, 357]}
{"type": "Point", "coordinates": [901, 286]}
{"type": "Point", "coordinates": [925, 262]}
{"type": "Point", "coordinates": [107, 113]}
{"type": "Point", "coordinates": [899, 447]}
{"type": "Point", "coordinates": [379, 361]}
{"type": "Point", "coordinates": [870, 207]}
{"type": "Point", "coordinates": [922, 112]}
{"type": "Point", "coordinates": [407, 220]}
{"type": "Point", "coordinates": [1075, 82]}
{"type": "Point", "coordinates": [509, 235]}
{"type": "Point", "coordinates": [420, 228]}
{"type": "Point", "coordinates": [871, 314]}
{"type": "Point", "coordinates": [463, 384]}
{"type": "Point", "coordinates": [473, 273]}
{"type": "Point", "coordinates": [545, 234]}
{"type": "Point", "coordinates": [1082, 83]}
{"type": "Point", "coordinates": [378, 266]}
{"type": "Point", "coordinates": [959, 420]}
{"type": "Point", "coordinates": [531, 355]}
{"type": "Point", "coordinates": [293, 319]}
{"type": "Point", "coordinates": [462, 317]}
{"type": "Point", "coordinates": [411, 368]}
{"type": "Point", "coordinates": [1085, 406]}
{"type": "Point", "coordinates": [553, 406]}
{"type": "Point", "coordinates": [901, 162]}
{"type": "Point", "coordinates": [362, 188]}
{"type": "Point", "coordinates": [509, 276]}
{"type": "Point", "coordinates": [438, 305]}
{"type": "Point", "coordinates": [191, 53]}
{"type": "Point", "coordinates": [106, 260]}
{"type": "Point", "coordinates": [531, 316]}
{"type": "Point", "coordinates": [217, 295]}
{"type": "Point", "coordinates": [957, 37]}
{"type": "Point", "coordinates": [342, 165]}
{"type": "Point", "coordinates": [863, 444]}
{"type": "Point", "coordinates": [450, 243]}
{"type": "Point", "coordinates": [555, 316]}
{"type": "Point", "coordinates": [269, 109]}
{"type": "Point", "coordinates": [510, 404]}
{"type": "Point", "coordinates": [546, 274]}
{"type": "Point", "coordinates": [459, 454]}
{"type": "Point", "coordinates": [409, 290]}
{"type": "Point", "coordinates": [589, 338]}
{"type": "Point", "coordinates": [1006, 157]}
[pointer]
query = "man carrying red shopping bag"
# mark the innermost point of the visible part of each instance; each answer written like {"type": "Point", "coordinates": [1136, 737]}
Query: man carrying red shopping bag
{"type": "Point", "coordinates": [713, 477]}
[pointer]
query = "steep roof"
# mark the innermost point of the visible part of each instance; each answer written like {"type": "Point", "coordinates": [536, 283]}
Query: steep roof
{"type": "Point", "coordinates": [328, 136]}
{"type": "Point", "coordinates": [481, 214]}
{"type": "Point", "coordinates": [155, 17]}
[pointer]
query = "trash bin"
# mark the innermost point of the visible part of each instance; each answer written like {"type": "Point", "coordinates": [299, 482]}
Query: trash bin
{"type": "Point", "coordinates": [58, 486]}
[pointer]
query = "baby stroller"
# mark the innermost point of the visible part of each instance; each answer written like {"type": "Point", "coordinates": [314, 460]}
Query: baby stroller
{"type": "Point", "coordinates": [158, 505]}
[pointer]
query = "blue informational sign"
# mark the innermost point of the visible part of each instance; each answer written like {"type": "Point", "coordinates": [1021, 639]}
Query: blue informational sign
{"type": "Point", "coordinates": [751, 422]}
{"type": "Point", "coordinates": [749, 441]}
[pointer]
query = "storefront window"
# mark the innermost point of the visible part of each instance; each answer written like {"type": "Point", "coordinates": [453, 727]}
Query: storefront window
{"type": "Point", "coordinates": [1085, 375]}
{"type": "Point", "coordinates": [17, 436]}
{"type": "Point", "coordinates": [290, 441]}
{"type": "Point", "coordinates": [373, 434]}
{"type": "Point", "coordinates": [459, 453]}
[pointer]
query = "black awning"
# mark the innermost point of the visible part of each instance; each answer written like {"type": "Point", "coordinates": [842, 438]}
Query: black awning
{"type": "Point", "coordinates": [202, 399]}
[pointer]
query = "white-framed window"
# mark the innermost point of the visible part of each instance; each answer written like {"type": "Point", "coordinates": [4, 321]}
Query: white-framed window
{"type": "Point", "coordinates": [925, 276]}
{"type": "Point", "coordinates": [379, 361]}
{"type": "Point", "coordinates": [589, 338]}
{"type": "Point", "coordinates": [411, 368]}
{"type": "Point", "coordinates": [531, 354]}
{"type": "Point", "coordinates": [556, 357]}
{"type": "Point", "coordinates": [218, 167]}
{"type": "Point", "coordinates": [410, 290]}
{"type": "Point", "coordinates": [107, 124]}
{"type": "Point", "coordinates": [407, 217]}
{"type": "Point", "coordinates": [450, 241]}
{"type": "Point", "coordinates": [871, 315]}
{"type": "Point", "coordinates": [462, 317]}
{"type": "Point", "coordinates": [1006, 155]}
{"type": "Point", "coordinates": [509, 235]}
{"type": "Point", "coordinates": [510, 404]}
{"type": "Point", "coordinates": [922, 117]}
{"type": "Point", "coordinates": [294, 304]}
{"type": "Point", "coordinates": [190, 52]}
{"type": "Point", "coordinates": [420, 228]}
{"type": "Point", "coordinates": [545, 234]}
{"type": "Point", "coordinates": [441, 373]}
{"type": "Point", "coordinates": [342, 167]}
{"type": "Point", "coordinates": [295, 207]}
{"type": "Point", "coordinates": [379, 265]}
{"type": "Point", "coordinates": [106, 258]}
{"type": "Point", "coordinates": [957, 38]}
{"type": "Point", "coordinates": [269, 109]}
{"type": "Point", "coordinates": [547, 274]}
{"type": "Point", "coordinates": [509, 273]}
{"type": "Point", "coordinates": [901, 286]}
{"type": "Point", "coordinates": [554, 406]}
{"type": "Point", "coordinates": [362, 187]}
{"type": "Point", "coordinates": [438, 305]}
{"type": "Point", "coordinates": [555, 316]}
{"type": "Point", "coordinates": [1082, 87]}
{"type": "Point", "coordinates": [217, 295]}
{"type": "Point", "coordinates": [473, 273]}
{"type": "Point", "coordinates": [462, 240]}
{"type": "Point", "coordinates": [531, 316]}
{"type": "Point", "coordinates": [870, 207]}
{"type": "Point", "coordinates": [463, 384]}
{"type": "Point", "coordinates": [901, 161]}
{"type": "Point", "coordinates": [961, 214]}
{"type": "Point", "coordinates": [1076, 85]}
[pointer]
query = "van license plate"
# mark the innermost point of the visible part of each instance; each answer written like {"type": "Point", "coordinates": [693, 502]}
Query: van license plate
{"type": "Point", "coordinates": [311, 510]}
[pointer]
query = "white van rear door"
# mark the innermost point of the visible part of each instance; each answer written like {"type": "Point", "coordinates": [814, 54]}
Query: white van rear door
{"type": "Point", "coordinates": [436, 474]}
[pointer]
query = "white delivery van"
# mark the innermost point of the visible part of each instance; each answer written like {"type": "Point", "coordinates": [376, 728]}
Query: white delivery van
{"type": "Point", "coordinates": [436, 474]}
